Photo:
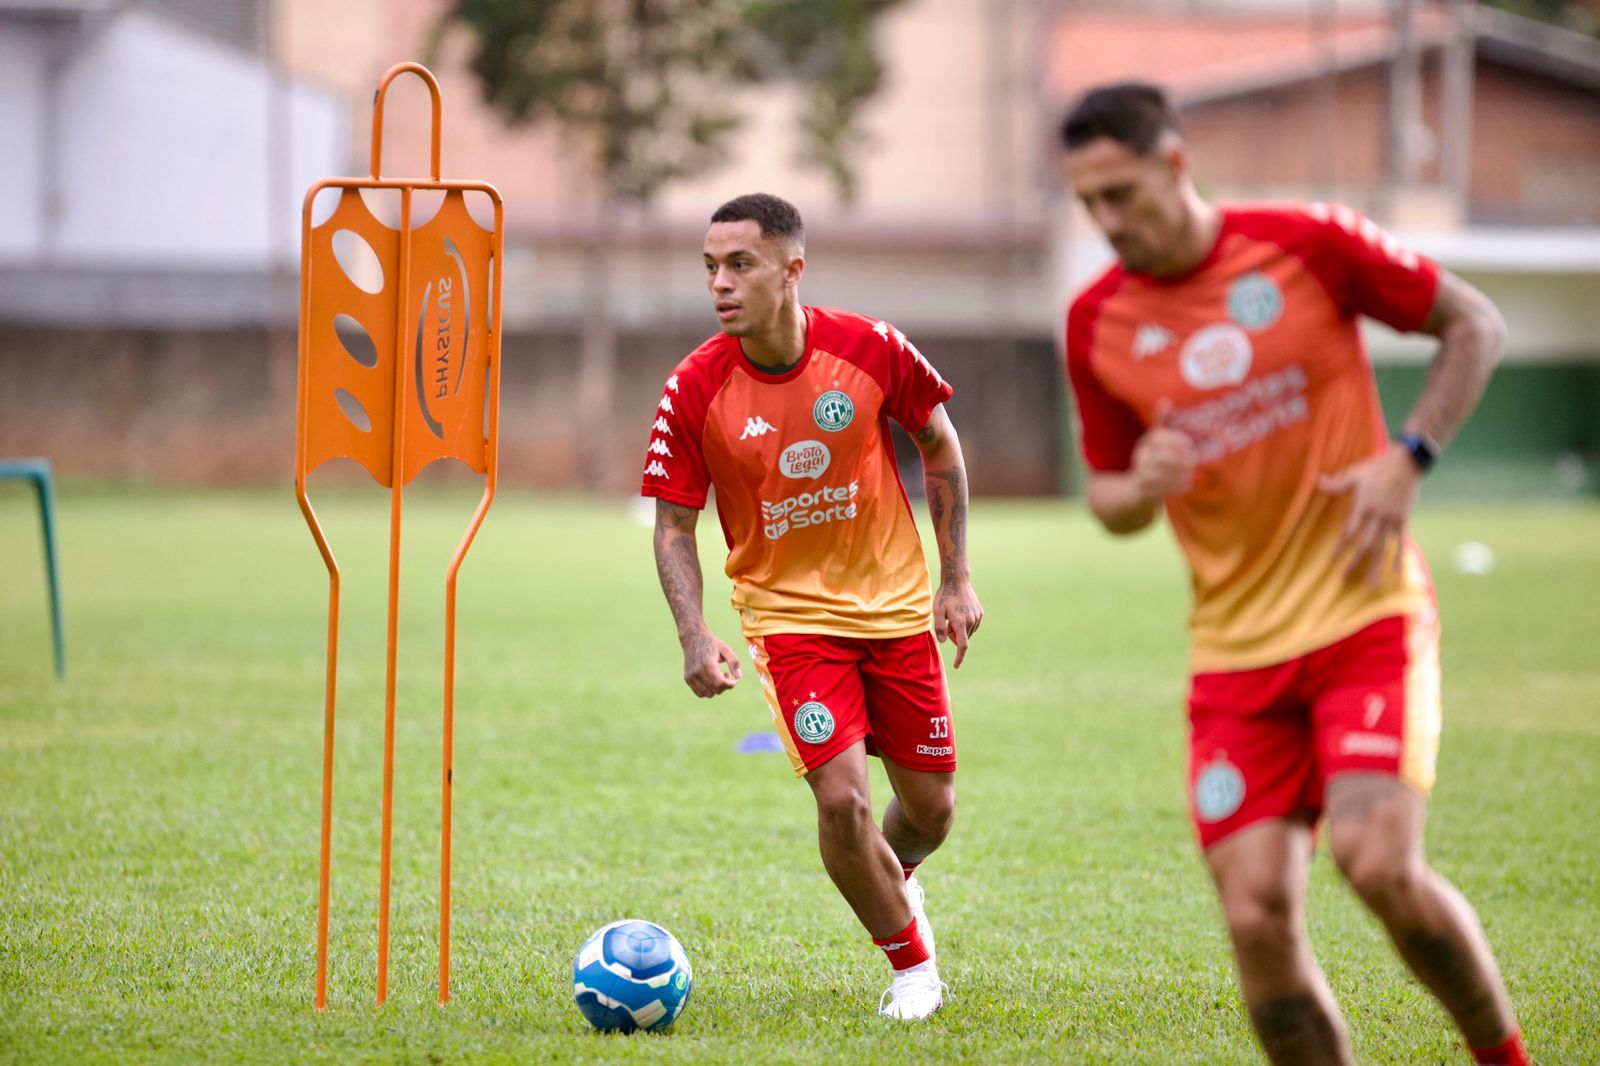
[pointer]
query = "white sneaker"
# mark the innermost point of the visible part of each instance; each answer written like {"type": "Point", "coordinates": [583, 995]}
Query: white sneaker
{"type": "Point", "coordinates": [914, 994]}
{"type": "Point", "coordinates": [917, 897]}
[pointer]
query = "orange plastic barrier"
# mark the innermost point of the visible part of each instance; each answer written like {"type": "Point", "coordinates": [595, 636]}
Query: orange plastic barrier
{"type": "Point", "coordinates": [399, 368]}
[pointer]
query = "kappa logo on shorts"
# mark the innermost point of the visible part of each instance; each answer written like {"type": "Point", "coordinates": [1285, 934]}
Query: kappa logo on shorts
{"type": "Point", "coordinates": [1371, 745]}
{"type": "Point", "coordinates": [1218, 790]}
{"type": "Point", "coordinates": [813, 722]}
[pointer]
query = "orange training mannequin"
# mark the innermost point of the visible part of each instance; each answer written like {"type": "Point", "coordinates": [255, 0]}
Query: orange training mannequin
{"type": "Point", "coordinates": [426, 387]}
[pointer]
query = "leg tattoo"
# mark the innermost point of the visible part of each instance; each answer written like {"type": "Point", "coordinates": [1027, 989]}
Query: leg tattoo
{"type": "Point", "coordinates": [1296, 1029]}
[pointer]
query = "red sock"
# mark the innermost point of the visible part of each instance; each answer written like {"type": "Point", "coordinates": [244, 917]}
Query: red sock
{"type": "Point", "coordinates": [905, 948]}
{"type": "Point", "coordinates": [910, 868]}
{"type": "Point", "coordinates": [1509, 1053]}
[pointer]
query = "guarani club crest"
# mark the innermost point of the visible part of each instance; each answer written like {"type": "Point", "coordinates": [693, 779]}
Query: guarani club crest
{"type": "Point", "coordinates": [1255, 301]}
{"type": "Point", "coordinates": [1218, 789]}
{"type": "Point", "coordinates": [813, 722]}
{"type": "Point", "coordinates": [833, 410]}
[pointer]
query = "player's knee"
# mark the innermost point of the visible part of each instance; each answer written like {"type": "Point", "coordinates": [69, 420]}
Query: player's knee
{"type": "Point", "coordinates": [1386, 880]}
{"type": "Point", "coordinates": [1260, 918]}
{"type": "Point", "coordinates": [934, 812]}
{"type": "Point", "coordinates": [844, 813]}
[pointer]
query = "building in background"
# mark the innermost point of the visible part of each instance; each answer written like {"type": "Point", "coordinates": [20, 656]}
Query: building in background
{"type": "Point", "coordinates": [151, 178]}
{"type": "Point", "coordinates": [149, 298]}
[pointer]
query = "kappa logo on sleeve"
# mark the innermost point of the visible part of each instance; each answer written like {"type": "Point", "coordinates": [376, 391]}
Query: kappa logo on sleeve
{"type": "Point", "coordinates": [655, 469]}
{"type": "Point", "coordinates": [661, 426]}
{"type": "Point", "coordinates": [884, 330]}
{"type": "Point", "coordinates": [659, 447]}
{"type": "Point", "coordinates": [1369, 231]}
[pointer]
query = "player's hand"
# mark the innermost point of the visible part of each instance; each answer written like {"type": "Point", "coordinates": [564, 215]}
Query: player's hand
{"type": "Point", "coordinates": [704, 659]}
{"type": "Point", "coordinates": [1163, 461]}
{"type": "Point", "coordinates": [956, 616]}
{"type": "Point", "coordinates": [1382, 491]}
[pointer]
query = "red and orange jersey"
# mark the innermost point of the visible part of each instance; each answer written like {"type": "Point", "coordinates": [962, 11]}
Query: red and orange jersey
{"type": "Point", "coordinates": [1256, 354]}
{"type": "Point", "coordinates": [820, 534]}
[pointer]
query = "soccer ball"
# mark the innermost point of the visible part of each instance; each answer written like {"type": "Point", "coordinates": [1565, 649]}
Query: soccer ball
{"type": "Point", "coordinates": [631, 975]}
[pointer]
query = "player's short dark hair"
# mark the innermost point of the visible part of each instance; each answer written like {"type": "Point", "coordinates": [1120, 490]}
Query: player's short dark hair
{"type": "Point", "coordinates": [778, 218]}
{"type": "Point", "coordinates": [1132, 113]}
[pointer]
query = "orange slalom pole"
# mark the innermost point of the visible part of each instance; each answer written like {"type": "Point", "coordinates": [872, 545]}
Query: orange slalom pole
{"type": "Point", "coordinates": [327, 750]}
{"type": "Point", "coordinates": [386, 815]}
{"type": "Point", "coordinates": [331, 684]}
{"type": "Point", "coordinates": [491, 479]}
{"type": "Point", "coordinates": [445, 803]}
{"type": "Point", "coordinates": [391, 656]}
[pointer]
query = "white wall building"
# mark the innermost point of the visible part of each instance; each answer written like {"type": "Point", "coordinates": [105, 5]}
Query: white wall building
{"type": "Point", "coordinates": [141, 148]}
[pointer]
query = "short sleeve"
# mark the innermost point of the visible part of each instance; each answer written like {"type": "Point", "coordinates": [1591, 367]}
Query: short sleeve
{"type": "Point", "coordinates": [915, 387]}
{"type": "Point", "coordinates": [1108, 427]}
{"type": "Point", "coordinates": [1368, 271]}
{"type": "Point", "coordinates": [674, 462]}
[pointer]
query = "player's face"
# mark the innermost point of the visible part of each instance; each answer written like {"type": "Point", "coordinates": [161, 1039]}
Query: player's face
{"type": "Point", "coordinates": [749, 276]}
{"type": "Point", "coordinates": [1136, 200]}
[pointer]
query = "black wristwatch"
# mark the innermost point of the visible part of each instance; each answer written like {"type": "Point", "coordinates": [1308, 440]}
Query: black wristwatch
{"type": "Point", "coordinates": [1424, 453]}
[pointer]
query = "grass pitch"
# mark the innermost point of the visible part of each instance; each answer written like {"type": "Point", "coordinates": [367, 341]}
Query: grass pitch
{"type": "Point", "coordinates": [158, 834]}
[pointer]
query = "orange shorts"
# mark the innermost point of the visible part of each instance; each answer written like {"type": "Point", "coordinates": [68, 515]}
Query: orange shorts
{"type": "Point", "coordinates": [1263, 743]}
{"type": "Point", "coordinates": [826, 693]}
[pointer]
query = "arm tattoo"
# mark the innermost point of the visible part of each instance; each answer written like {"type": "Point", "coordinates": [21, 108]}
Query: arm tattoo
{"type": "Point", "coordinates": [947, 505]}
{"type": "Point", "coordinates": [678, 565]}
{"type": "Point", "coordinates": [675, 516]}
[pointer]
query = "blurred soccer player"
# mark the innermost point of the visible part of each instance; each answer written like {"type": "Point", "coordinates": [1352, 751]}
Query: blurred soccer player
{"type": "Point", "coordinates": [786, 412]}
{"type": "Point", "coordinates": [1219, 373]}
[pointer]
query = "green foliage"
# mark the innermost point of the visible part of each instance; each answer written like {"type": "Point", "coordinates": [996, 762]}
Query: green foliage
{"type": "Point", "coordinates": [158, 834]}
{"type": "Point", "coordinates": [826, 45]}
{"type": "Point", "coordinates": [1578, 17]}
{"type": "Point", "coordinates": [653, 84]}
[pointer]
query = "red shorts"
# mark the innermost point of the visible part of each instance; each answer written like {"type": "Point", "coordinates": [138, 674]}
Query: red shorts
{"type": "Point", "coordinates": [1263, 743]}
{"type": "Point", "coordinates": [828, 692]}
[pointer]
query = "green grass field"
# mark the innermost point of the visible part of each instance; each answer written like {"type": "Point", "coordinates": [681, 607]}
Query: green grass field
{"type": "Point", "coordinates": [158, 834]}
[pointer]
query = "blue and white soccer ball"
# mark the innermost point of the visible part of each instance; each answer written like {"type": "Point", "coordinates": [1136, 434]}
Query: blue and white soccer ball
{"type": "Point", "coordinates": [631, 975]}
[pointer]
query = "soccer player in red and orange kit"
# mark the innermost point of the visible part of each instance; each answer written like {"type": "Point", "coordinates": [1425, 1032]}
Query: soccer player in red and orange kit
{"type": "Point", "coordinates": [786, 412]}
{"type": "Point", "coordinates": [1219, 373]}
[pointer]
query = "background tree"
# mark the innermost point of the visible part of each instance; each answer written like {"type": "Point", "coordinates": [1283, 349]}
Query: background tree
{"type": "Point", "coordinates": [649, 89]}
{"type": "Point", "coordinates": [1582, 16]}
